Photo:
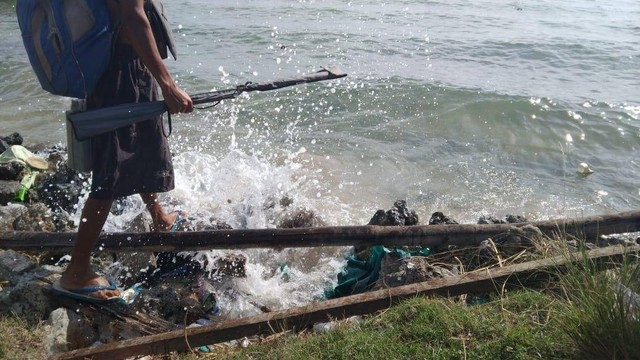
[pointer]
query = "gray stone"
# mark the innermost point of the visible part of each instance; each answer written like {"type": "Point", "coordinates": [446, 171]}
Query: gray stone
{"type": "Point", "coordinates": [300, 218]}
{"type": "Point", "coordinates": [396, 271]}
{"type": "Point", "coordinates": [141, 223]}
{"type": "Point", "coordinates": [60, 189]}
{"type": "Point", "coordinates": [438, 218]}
{"type": "Point", "coordinates": [489, 219]}
{"type": "Point", "coordinates": [12, 170]}
{"type": "Point", "coordinates": [8, 215]}
{"type": "Point", "coordinates": [13, 139]}
{"type": "Point", "coordinates": [68, 331]}
{"type": "Point", "coordinates": [518, 238]}
{"type": "Point", "coordinates": [231, 265]}
{"type": "Point", "coordinates": [32, 300]}
{"type": "Point", "coordinates": [39, 217]}
{"type": "Point", "coordinates": [398, 215]}
{"type": "Point", "coordinates": [8, 191]}
{"type": "Point", "coordinates": [13, 264]}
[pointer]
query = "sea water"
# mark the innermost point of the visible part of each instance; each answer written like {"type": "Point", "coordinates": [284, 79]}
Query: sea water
{"type": "Point", "coordinates": [469, 108]}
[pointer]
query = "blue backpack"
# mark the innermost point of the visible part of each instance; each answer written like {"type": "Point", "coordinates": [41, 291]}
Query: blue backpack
{"type": "Point", "coordinates": [69, 43]}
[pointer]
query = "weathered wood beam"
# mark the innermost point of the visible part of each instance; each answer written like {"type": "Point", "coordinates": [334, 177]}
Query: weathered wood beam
{"type": "Point", "coordinates": [588, 228]}
{"type": "Point", "coordinates": [301, 317]}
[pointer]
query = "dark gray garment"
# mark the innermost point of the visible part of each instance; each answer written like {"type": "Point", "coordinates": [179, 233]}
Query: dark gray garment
{"type": "Point", "coordinates": [136, 158]}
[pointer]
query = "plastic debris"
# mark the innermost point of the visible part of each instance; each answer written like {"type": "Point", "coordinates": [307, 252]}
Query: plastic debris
{"type": "Point", "coordinates": [584, 169]}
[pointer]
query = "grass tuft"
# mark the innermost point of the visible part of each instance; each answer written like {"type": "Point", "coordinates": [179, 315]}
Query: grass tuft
{"type": "Point", "coordinates": [602, 311]}
{"type": "Point", "coordinates": [20, 340]}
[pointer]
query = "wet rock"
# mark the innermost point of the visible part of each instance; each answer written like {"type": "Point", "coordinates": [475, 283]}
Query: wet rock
{"type": "Point", "coordinates": [13, 139]}
{"type": "Point", "coordinates": [190, 307]}
{"type": "Point", "coordinates": [169, 264]}
{"type": "Point", "coordinates": [231, 265]}
{"type": "Point", "coordinates": [32, 300]}
{"type": "Point", "coordinates": [515, 240]}
{"type": "Point", "coordinates": [164, 301]}
{"type": "Point", "coordinates": [379, 218]}
{"type": "Point", "coordinates": [488, 219]}
{"type": "Point", "coordinates": [7, 141]}
{"type": "Point", "coordinates": [39, 217]}
{"type": "Point", "coordinates": [140, 223]}
{"type": "Point", "coordinates": [13, 264]}
{"type": "Point", "coordinates": [8, 191]}
{"type": "Point", "coordinates": [176, 289]}
{"type": "Point", "coordinates": [60, 190]}
{"type": "Point", "coordinates": [57, 158]}
{"type": "Point", "coordinates": [508, 219]}
{"type": "Point", "coordinates": [212, 224]}
{"type": "Point", "coordinates": [286, 201]}
{"type": "Point", "coordinates": [301, 218]}
{"type": "Point", "coordinates": [398, 215]}
{"type": "Point", "coordinates": [8, 215]}
{"type": "Point", "coordinates": [13, 170]}
{"type": "Point", "coordinates": [438, 218]}
{"type": "Point", "coordinates": [202, 222]}
{"type": "Point", "coordinates": [396, 271]}
{"type": "Point", "coordinates": [68, 331]}
{"type": "Point", "coordinates": [514, 219]}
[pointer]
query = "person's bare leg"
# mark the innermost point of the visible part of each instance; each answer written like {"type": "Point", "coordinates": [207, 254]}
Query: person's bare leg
{"type": "Point", "coordinates": [161, 220]}
{"type": "Point", "coordinates": [78, 274]}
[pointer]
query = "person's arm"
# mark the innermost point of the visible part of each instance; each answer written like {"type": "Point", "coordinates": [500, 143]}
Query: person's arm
{"type": "Point", "coordinates": [137, 31]}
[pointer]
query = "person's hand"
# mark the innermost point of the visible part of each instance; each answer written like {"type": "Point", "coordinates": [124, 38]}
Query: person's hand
{"type": "Point", "coordinates": [177, 100]}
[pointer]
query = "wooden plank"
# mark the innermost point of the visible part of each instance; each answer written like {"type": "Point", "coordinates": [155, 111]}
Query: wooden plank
{"type": "Point", "coordinates": [587, 228]}
{"type": "Point", "coordinates": [301, 317]}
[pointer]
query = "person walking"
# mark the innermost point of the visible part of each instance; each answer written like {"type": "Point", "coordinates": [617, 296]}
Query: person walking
{"type": "Point", "coordinates": [135, 159]}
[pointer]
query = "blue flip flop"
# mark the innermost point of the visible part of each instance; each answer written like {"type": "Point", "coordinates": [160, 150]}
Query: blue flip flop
{"type": "Point", "coordinates": [84, 293]}
{"type": "Point", "coordinates": [179, 221]}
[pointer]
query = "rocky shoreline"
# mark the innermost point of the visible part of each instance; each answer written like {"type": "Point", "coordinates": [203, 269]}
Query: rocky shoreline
{"type": "Point", "coordinates": [178, 289]}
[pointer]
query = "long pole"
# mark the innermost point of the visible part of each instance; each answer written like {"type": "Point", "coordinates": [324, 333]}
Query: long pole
{"type": "Point", "coordinates": [585, 228]}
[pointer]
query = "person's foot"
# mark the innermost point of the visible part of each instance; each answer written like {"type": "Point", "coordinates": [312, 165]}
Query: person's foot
{"type": "Point", "coordinates": [170, 221]}
{"type": "Point", "coordinates": [72, 281]}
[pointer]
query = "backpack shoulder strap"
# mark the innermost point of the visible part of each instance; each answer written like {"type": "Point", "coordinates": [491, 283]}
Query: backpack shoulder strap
{"type": "Point", "coordinates": [161, 28]}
